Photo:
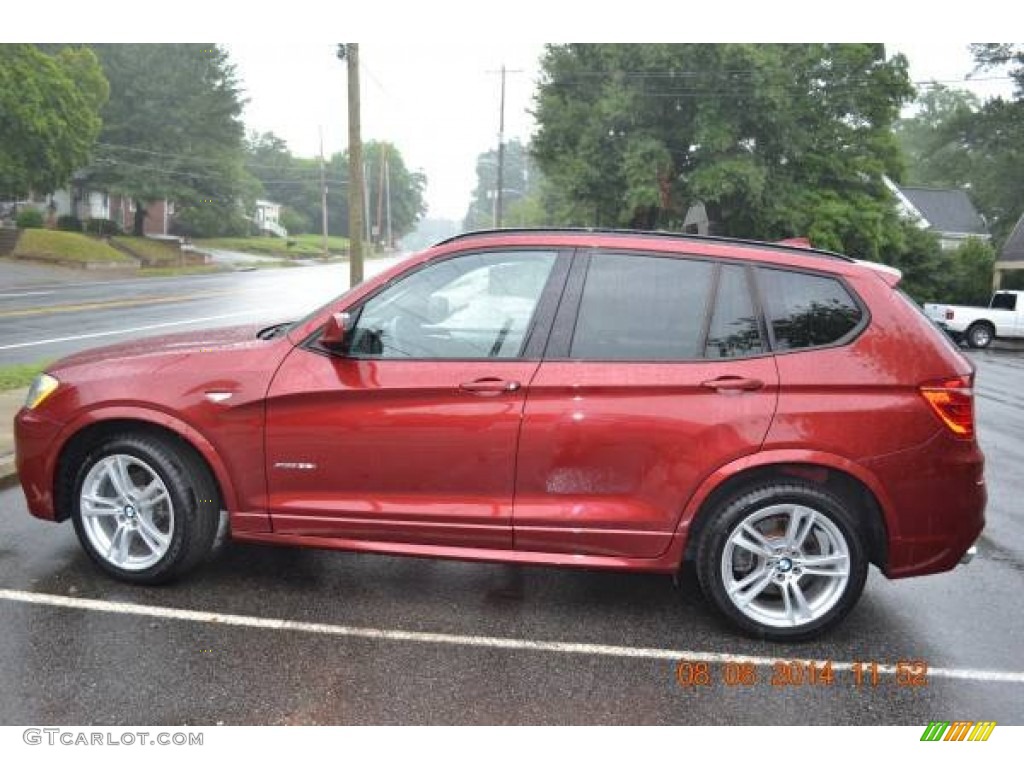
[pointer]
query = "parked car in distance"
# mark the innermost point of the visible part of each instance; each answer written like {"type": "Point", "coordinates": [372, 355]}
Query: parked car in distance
{"type": "Point", "coordinates": [779, 417]}
{"type": "Point", "coordinates": [1003, 318]}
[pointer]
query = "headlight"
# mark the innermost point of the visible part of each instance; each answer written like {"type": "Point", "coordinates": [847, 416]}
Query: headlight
{"type": "Point", "coordinates": [43, 386]}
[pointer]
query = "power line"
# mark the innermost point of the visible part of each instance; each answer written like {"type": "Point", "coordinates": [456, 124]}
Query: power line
{"type": "Point", "coordinates": [193, 158]}
{"type": "Point", "coordinates": [219, 177]}
{"type": "Point", "coordinates": [639, 73]}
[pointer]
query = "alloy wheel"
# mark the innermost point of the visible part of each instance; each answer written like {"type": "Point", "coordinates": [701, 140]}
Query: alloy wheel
{"type": "Point", "coordinates": [127, 512]}
{"type": "Point", "coordinates": [785, 565]}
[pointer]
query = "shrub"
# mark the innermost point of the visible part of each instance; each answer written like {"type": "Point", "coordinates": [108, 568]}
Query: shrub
{"type": "Point", "coordinates": [221, 221]}
{"type": "Point", "coordinates": [296, 223]}
{"type": "Point", "coordinates": [30, 218]}
{"type": "Point", "coordinates": [68, 223]}
{"type": "Point", "coordinates": [102, 227]}
{"type": "Point", "coordinates": [970, 272]}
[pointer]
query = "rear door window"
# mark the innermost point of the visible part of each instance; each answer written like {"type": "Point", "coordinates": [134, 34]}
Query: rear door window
{"type": "Point", "coordinates": [806, 310]}
{"type": "Point", "coordinates": [642, 308]}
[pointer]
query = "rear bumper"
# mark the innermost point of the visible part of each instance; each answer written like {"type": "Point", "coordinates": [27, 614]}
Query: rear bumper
{"type": "Point", "coordinates": [953, 334]}
{"type": "Point", "coordinates": [938, 497]}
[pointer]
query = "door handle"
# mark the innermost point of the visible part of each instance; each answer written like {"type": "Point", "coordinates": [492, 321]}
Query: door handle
{"type": "Point", "coordinates": [489, 386]}
{"type": "Point", "coordinates": [733, 384]}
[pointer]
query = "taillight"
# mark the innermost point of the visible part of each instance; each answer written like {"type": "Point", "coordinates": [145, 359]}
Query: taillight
{"type": "Point", "coordinates": [953, 402]}
{"type": "Point", "coordinates": [949, 314]}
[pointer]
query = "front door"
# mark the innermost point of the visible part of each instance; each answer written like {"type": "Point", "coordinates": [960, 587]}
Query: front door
{"type": "Point", "coordinates": [409, 434]}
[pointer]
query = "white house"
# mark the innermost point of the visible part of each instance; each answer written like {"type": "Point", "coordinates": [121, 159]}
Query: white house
{"type": "Point", "coordinates": [267, 218]}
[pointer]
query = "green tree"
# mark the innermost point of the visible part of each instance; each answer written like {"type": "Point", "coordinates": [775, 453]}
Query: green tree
{"type": "Point", "coordinates": [49, 116]}
{"type": "Point", "coordinates": [406, 189]}
{"type": "Point", "coordinates": [956, 141]}
{"type": "Point", "coordinates": [172, 129]}
{"type": "Point", "coordinates": [775, 140]}
{"type": "Point", "coordinates": [971, 273]}
{"type": "Point", "coordinates": [933, 154]}
{"type": "Point", "coordinates": [519, 180]}
{"type": "Point", "coordinates": [294, 182]}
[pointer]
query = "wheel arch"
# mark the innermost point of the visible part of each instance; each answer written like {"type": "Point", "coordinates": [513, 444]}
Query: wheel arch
{"type": "Point", "coordinates": [96, 425]}
{"type": "Point", "coordinates": [839, 476]}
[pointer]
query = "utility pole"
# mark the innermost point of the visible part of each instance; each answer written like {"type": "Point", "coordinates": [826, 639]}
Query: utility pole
{"type": "Point", "coordinates": [367, 218]}
{"type": "Point", "coordinates": [350, 53]}
{"type": "Point", "coordinates": [380, 193]}
{"type": "Point", "coordinates": [323, 192]}
{"type": "Point", "coordinates": [387, 192]}
{"type": "Point", "coordinates": [501, 154]}
{"type": "Point", "coordinates": [500, 191]}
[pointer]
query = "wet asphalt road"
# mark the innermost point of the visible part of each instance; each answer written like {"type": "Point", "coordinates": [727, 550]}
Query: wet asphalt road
{"type": "Point", "coordinates": [42, 319]}
{"type": "Point", "coordinates": [67, 665]}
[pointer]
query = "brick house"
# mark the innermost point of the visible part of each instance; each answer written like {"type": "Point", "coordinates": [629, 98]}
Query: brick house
{"type": "Point", "coordinates": [88, 204]}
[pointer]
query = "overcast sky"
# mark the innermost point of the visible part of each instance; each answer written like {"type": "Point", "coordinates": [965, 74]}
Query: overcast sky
{"type": "Point", "coordinates": [439, 103]}
{"type": "Point", "coordinates": [429, 70]}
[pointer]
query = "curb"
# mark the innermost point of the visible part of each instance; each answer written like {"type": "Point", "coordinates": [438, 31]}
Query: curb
{"type": "Point", "coordinates": [8, 472]}
{"type": "Point", "coordinates": [91, 266]}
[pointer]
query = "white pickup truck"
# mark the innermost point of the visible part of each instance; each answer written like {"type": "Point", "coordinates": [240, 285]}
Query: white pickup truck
{"type": "Point", "coordinates": [1003, 318]}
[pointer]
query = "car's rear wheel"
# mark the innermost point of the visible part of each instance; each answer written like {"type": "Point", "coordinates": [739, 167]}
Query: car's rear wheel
{"type": "Point", "coordinates": [980, 335]}
{"type": "Point", "coordinates": [145, 508]}
{"type": "Point", "coordinates": [784, 561]}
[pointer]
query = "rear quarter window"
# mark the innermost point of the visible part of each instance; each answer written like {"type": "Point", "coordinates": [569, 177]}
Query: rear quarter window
{"type": "Point", "coordinates": [805, 310]}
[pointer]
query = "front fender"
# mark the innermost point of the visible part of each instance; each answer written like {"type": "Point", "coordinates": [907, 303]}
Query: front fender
{"type": "Point", "coordinates": [157, 417]}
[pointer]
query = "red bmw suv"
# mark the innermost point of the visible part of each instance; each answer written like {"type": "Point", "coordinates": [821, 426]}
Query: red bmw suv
{"type": "Point", "coordinates": [780, 416]}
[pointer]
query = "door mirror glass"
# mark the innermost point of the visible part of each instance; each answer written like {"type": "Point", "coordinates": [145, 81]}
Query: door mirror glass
{"type": "Point", "coordinates": [335, 330]}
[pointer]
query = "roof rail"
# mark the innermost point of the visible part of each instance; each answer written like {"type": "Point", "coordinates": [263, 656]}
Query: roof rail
{"type": "Point", "coordinates": [782, 246]}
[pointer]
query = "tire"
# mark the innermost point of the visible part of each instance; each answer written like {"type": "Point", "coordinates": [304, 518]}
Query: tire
{"type": "Point", "coordinates": [761, 593]}
{"type": "Point", "coordinates": [145, 508]}
{"type": "Point", "coordinates": [980, 335]}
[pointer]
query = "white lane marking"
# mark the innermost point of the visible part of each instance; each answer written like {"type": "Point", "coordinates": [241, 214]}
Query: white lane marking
{"type": "Point", "coordinates": [24, 293]}
{"type": "Point", "coordinates": [476, 641]}
{"type": "Point", "coordinates": [153, 327]}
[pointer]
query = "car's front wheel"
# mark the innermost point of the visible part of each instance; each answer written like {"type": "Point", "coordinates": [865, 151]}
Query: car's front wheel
{"type": "Point", "coordinates": [145, 508]}
{"type": "Point", "coordinates": [783, 561]}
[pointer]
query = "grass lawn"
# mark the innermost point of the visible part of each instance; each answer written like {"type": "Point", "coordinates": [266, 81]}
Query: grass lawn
{"type": "Point", "coordinates": [298, 245]}
{"type": "Point", "coordinates": [50, 245]}
{"type": "Point", "coordinates": [150, 252]}
{"type": "Point", "coordinates": [19, 376]}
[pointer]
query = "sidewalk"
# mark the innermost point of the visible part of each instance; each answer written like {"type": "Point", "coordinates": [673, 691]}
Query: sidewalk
{"type": "Point", "coordinates": [10, 402]}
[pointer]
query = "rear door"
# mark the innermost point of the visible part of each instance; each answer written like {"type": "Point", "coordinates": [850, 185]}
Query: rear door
{"type": "Point", "coordinates": [656, 374]}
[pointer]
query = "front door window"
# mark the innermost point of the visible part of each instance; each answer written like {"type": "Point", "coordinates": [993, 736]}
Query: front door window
{"type": "Point", "coordinates": [472, 307]}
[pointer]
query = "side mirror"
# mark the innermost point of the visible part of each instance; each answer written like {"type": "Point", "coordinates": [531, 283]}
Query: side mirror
{"type": "Point", "coordinates": [336, 330]}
